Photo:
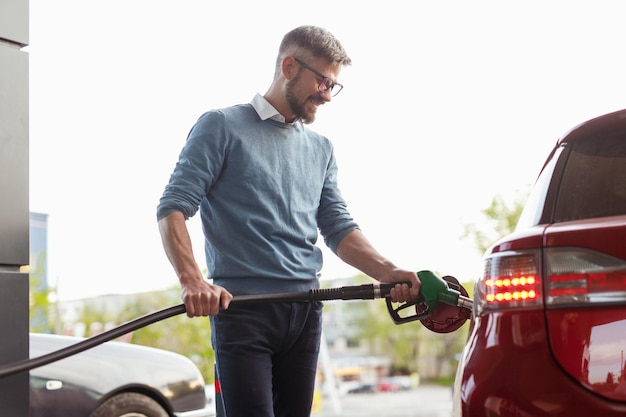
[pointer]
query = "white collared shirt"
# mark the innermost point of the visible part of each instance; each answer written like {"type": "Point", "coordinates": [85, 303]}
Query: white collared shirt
{"type": "Point", "coordinates": [265, 110]}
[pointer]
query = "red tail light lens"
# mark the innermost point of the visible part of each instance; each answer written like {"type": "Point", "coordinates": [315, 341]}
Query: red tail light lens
{"type": "Point", "coordinates": [573, 276]}
{"type": "Point", "coordinates": [510, 289]}
{"type": "Point", "coordinates": [510, 280]}
{"type": "Point", "coordinates": [582, 276]}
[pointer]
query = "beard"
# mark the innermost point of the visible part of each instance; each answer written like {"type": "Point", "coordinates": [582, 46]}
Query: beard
{"type": "Point", "coordinates": [297, 107]}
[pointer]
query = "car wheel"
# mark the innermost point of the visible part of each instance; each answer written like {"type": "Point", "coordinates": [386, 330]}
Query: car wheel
{"type": "Point", "coordinates": [130, 404]}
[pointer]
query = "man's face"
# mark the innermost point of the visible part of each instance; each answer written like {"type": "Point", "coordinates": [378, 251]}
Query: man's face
{"type": "Point", "coordinates": [303, 93]}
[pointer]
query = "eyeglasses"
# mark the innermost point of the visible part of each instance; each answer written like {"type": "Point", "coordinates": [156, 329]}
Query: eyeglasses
{"type": "Point", "coordinates": [326, 83]}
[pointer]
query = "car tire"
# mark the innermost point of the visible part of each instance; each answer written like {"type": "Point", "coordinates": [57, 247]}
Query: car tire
{"type": "Point", "coordinates": [130, 404]}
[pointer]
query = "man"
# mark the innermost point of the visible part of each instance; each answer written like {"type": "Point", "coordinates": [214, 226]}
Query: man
{"type": "Point", "coordinates": [265, 184]}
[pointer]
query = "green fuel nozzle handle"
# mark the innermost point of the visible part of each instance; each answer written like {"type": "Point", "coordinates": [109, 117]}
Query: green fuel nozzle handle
{"type": "Point", "coordinates": [433, 289]}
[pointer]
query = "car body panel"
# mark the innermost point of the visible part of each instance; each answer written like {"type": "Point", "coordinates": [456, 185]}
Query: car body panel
{"type": "Point", "coordinates": [527, 239]}
{"type": "Point", "coordinates": [606, 235]}
{"type": "Point", "coordinates": [519, 383]}
{"type": "Point", "coordinates": [601, 354]}
{"type": "Point", "coordinates": [76, 385]}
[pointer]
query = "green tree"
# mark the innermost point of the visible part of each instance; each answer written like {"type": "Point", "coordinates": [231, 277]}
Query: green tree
{"type": "Point", "coordinates": [40, 308]}
{"type": "Point", "coordinates": [180, 334]}
{"type": "Point", "coordinates": [407, 344]}
{"type": "Point", "coordinates": [190, 337]}
{"type": "Point", "coordinates": [500, 220]}
{"type": "Point", "coordinates": [410, 346]}
{"type": "Point", "coordinates": [401, 343]}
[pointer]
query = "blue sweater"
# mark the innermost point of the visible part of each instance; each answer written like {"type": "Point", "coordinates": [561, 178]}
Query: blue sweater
{"type": "Point", "coordinates": [264, 189]}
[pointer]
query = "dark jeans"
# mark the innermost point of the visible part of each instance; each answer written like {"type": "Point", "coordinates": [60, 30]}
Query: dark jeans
{"type": "Point", "coordinates": [266, 358]}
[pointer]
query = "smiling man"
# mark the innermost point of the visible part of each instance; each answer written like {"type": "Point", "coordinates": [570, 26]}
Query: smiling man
{"type": "Point", "coordinates": [265, 185]}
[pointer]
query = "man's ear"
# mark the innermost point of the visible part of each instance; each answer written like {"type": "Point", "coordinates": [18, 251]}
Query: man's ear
{"type": "Point", "coordinates": [289, 67]}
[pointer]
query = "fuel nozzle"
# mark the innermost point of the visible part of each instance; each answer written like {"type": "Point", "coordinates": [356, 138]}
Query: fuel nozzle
{"type": "Point", "coordinates": [443, 305]}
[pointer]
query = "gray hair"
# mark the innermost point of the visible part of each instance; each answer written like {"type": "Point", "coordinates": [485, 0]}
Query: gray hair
{"type": "Point", "coordinates": [312, 41]}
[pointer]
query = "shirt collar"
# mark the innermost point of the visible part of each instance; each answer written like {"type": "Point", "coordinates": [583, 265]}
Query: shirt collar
{"type": "Point", "coordinates": [265, 110]}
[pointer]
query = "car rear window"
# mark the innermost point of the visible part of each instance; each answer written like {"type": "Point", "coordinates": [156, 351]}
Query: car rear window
{"type": "Point", "coordinates": [594, 180]}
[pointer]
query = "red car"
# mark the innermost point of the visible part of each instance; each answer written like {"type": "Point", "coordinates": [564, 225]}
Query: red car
{"type": "Point", "coordinates": [549, 332]}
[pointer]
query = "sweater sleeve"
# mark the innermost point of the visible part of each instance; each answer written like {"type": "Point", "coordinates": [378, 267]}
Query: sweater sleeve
{"type": "Point", "coordinates": [334, 220]}
{"type": "Point", "coordinates": [198, 166]}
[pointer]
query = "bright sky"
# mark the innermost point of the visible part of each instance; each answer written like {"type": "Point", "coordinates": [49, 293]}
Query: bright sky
{"type": "Point", "coordinates": [446, 105]}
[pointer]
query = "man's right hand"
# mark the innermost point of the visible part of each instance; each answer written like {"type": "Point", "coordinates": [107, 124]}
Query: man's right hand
{"type": "Point", "coordinates": [200, 297]}
{"type": "Point", "coordinates": [204, 299]}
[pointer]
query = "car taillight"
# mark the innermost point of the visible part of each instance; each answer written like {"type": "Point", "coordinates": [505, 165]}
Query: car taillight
{"type": "Point", "coordinates": [573, 276]}
{"type": "Point", "coordinates": [583, 276]}
{"type": "Point", "coordinates": [510, 280]}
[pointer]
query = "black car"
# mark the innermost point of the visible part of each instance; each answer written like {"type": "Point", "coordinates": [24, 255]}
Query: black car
{"type": "Point", "coordinates": [113, 380]}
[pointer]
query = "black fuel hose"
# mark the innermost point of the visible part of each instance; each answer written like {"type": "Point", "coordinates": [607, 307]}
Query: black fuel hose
{"type": "Point", "coordinates": [91, 342]}
{"type": "Point", "coordinates": [353, 292]}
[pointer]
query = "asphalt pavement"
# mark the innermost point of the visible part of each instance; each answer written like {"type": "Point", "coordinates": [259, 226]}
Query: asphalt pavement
{"type": "Point", "coordinates": [424, 401]}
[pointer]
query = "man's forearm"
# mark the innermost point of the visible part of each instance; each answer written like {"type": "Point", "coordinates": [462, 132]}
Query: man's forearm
{"type": "Point", "coordinates": [356, 250]}
{"type": "Point", "coordinates": [200, 297]}
{"type": "Point", "coordinates": [177, 245]}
